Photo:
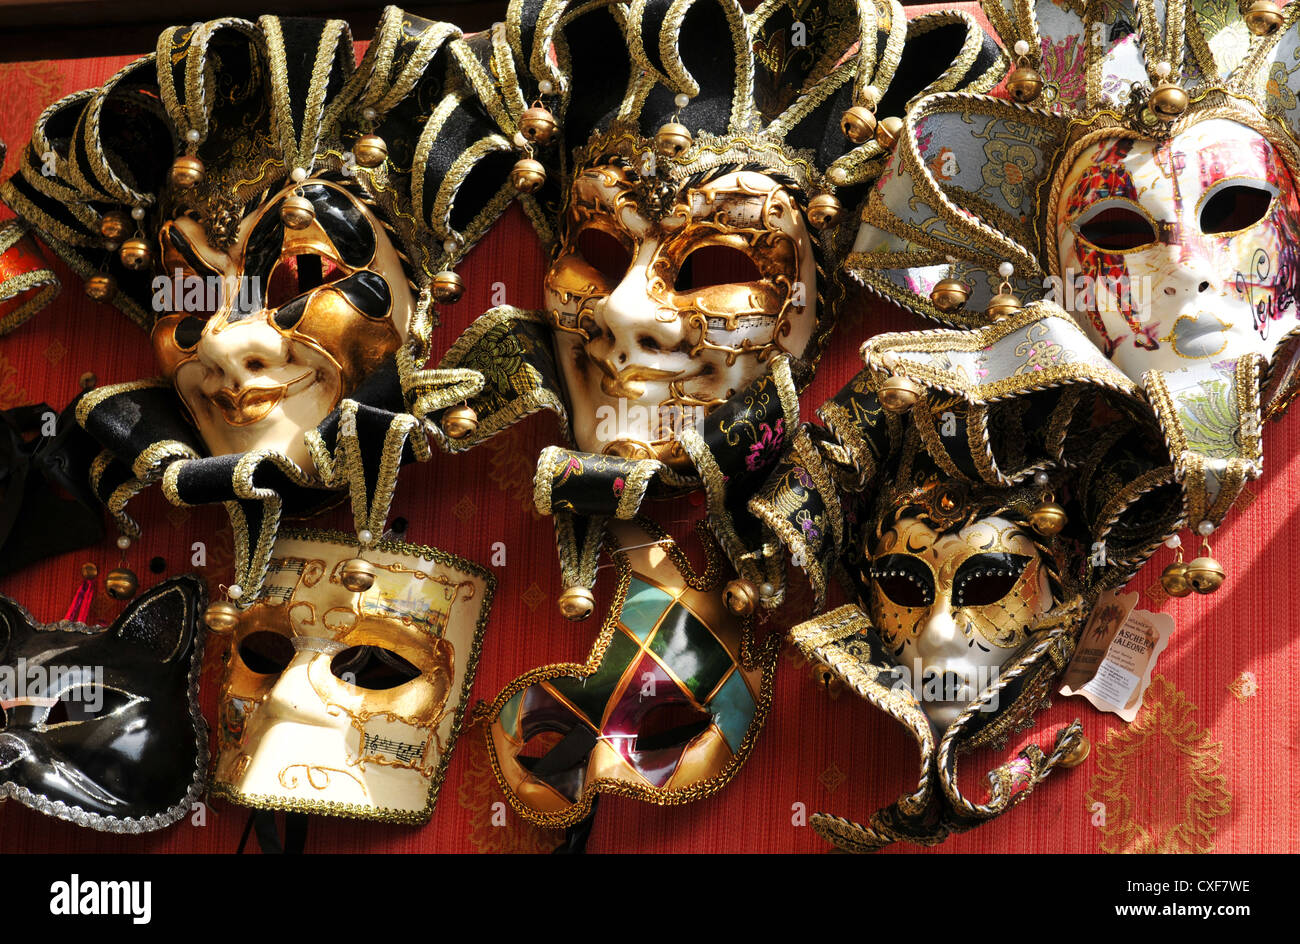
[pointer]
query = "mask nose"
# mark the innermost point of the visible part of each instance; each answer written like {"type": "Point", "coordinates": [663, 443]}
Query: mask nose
{"type": "Point", "coordinates": [1192, 278]}
{"type": "Point", "coordinates": [243, 350]}
{"type": "Point", "coordinates": [293, 697]}
{"type": "Point", "coordinates": [939, 631]}
{"type": "Point", "coordinates": [634, 328]}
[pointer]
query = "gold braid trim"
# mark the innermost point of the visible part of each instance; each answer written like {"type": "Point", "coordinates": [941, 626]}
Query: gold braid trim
{"type": "Point", "coordinates": [820, 640]}
{"type": "Point", "coordinates": [43, 281]}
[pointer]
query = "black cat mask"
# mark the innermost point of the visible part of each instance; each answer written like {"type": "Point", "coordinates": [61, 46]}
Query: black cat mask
{"type": "Point", "coordinates": [101, 726]}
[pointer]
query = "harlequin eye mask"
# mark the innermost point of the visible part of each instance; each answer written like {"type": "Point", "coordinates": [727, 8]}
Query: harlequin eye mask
{"type": "Point", "coordinates": [101, 727]}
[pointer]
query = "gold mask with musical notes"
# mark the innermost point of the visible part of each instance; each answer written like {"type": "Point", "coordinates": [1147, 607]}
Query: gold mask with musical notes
{"type": "Point", "coordinates": [349, 703]}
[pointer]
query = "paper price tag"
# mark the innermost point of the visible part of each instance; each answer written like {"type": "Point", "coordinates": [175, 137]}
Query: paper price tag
{"type": "Point", "coordinates": [1116, 654]}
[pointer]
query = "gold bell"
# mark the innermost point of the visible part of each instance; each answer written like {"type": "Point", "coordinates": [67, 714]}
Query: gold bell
{"type": "Point", "coordinates": [577, 603]}
{"type": "Point", "coordinates": [460, 421]}
{"type": "Point", "coordinates": [1168, 100]}
{"type": "Point", "coordinates": [1048, 519]}
{"type": "Point", "coordinates": [187, 171]}
{"type": "Point", "coordinates": [1003, 305]}
{"type": "Point", "coordinates": [135, 254]}
{"type": "Point", "coordinates": [888, 130]}
{"type": "Point", "coordinates": [114, 224]}
{"type": "Point", "coordinates": [825, 211]}
{"type": "Point", "coordinates": [672, 139]}
{"type": "Point", "coordinates": [1078, 754]}
{"type": "Point", "coordinates": [537, 124]}
{"type": "Point", "coordinates": [221, 617]}
{"type": "Point", "coordinates": [1025, 84]}
{"type": "Point", "coordinates": [1205, 574]}
{"type": "Point", "coordinates": [528, 175]}
{"type": "Point", "coordinates": [121, 583]}
{"type": "Point", "coordinates": [949, 294]}
{"type": "Point", "coordinates": [370, 150]}
{"type": "Point", "coordinates": [358, 574]}
{"type": "Point", "coordinates": [297, 212]}
{"type": "Point", "coordinates": [858, 124]}
{"type": "Point", "coordinates": [740, 596]}
{"type": "Point", "coordinates": [1174, 579]}
{"type": "Point", "coordinates": [447, 287]}
{"type": "Point", "coordinates": [898, 394]}
{"type": "Point", "coordinates": [1263, 17]}
{"type": "Point", "coordinates": [101, 287]}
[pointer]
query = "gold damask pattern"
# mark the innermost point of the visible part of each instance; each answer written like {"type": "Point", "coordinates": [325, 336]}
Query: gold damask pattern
{"type": "Point", "coordinates": [1159, 779]}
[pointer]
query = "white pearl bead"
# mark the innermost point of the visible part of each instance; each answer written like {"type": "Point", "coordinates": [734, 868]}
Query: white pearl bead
{"type": "Point", "coordinates": [871, 95]}
{"type": "Point", "coordinates": [681, 99]}
{"type": "Point", "coordinates": [369, 113]}
{"type": "Point", "coordinates": [1041, 477]}
{"type": "Point", "coordinates": [1173, 541]}
{"type": "Point", "coordinates": [298, 175]}
{"type": "Point", "coordinates": [123, 541]}
{"type": "Point", "coordinates": [235, 591]}
{"type": "Point", "coordinates": [839, 175]}
{"type": "Point", "coordinates": [546, 87]}
{"type": "Point", "coordinates": [137, 213]}
{"type": "Point", "coordinates": [1021, 48]}
{"type": "Point", "coordinates": [111, 245]}
{"type": "Point", "coordinates": [766, 590]}
{"type": "Point", "coordinates": [889, 359]}
{"type": "Point", "coordinates": [364, 536]}
{"type": "Point", "coordinates": [1005, 270]}
{"type": "Point", "coordinates": [193, 136]}
{"type": "Point", "coordinates": [449, 245]}
{"type": "Point", "coordinates": [1205, 528]}
{"type": "Point", "coordinates": [1162, 70]}
{"type": "Point", "coordinates": [519, 140]}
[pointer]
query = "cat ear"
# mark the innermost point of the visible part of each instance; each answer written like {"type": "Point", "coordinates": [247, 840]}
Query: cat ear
{"type": "Point", "coordinates": [166, 619]}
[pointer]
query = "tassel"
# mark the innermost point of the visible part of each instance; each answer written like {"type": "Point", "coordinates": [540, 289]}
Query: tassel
{"type": "Point", "coordinates": [79, 608]}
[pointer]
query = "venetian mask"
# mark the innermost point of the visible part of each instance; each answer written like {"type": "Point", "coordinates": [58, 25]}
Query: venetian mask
{"type": "Point", "coordinates": [101, 726]}
{"type": "Point", "coordinates": [667, 301]}
{"type": "Point", "coordinates": [349, 703]}
{"type": "Point", "coordinates": [1181, 251]}
{"type": "Point", "coordinates": [264, 337]}
{"type": "Point", "coordinates": [664, 712]}
{"type": "Point", "coordinates": [955, 606]}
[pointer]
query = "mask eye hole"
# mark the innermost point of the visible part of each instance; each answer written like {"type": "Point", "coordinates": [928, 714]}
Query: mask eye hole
{"type": "Point", "coordinates": [671, 725]}
{"type": "Point", "coordinates": [1116, 227]}
{"type": "Point", "coordinates": [187, 333]}
{"type": "Point", "coordinates": [372, 667]}
{"type": "Point", "coordinates": [265, 652]}
{"type": "Point", "coordinates": [297, 275]}
{"type": "Point", "coordinates": [84, 703]}
{"type": "Point", "coordinates": [715, 265]}
{"type": "Point", "coordinates": [1234, 207]}
{"type": "Point", "coordinates": [904, 580]}
{"type": "Point", "coordinates": [605, 253]}
{"type": "Point", "coordinates": [984, 579]}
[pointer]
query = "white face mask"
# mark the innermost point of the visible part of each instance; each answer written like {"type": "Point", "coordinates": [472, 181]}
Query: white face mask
{"type": "Point", "coordinates": [1182, 252]}
{"type": "Point", "coordinates": [954, 608]}
{"type": "Point", "coordinates": [659, 321]}
{"type": "Point", "coordinates": [293, 321]}
{"type": "Point", "coordinates": [347, 703]}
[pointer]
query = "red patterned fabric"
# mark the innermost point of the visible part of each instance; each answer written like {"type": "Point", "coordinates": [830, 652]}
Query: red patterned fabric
{"type": "Point", "coordinates": [1209, 765]}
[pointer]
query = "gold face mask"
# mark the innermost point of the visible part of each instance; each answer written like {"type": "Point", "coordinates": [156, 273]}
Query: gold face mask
{"type": "Point", "coordinates": [349, 703]}
{"type": "Point", "coordinates": [264, 338]}
{"type": "Point", "coordinates": [954, 607]}
{"type": "Point", "coordinates": [666, 301]}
